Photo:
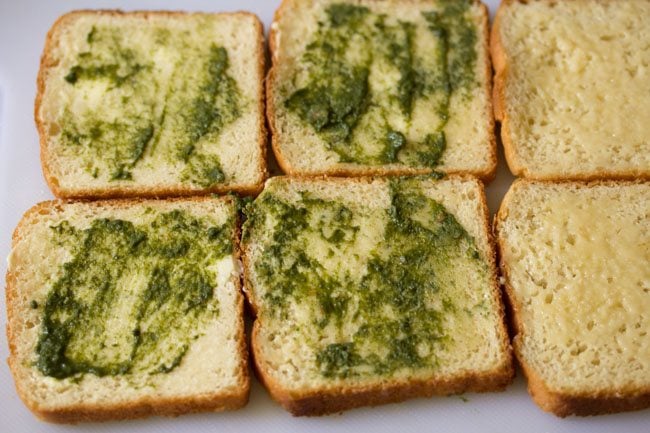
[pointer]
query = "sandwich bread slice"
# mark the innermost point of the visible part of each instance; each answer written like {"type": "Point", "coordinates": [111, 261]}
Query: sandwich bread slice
{"type": "Point", "coordinates": [381, 88]}
{"type": "Point", "coordinates": [571, 88]}
{"type": "Point", "coordinates": [125, 309]}
{"type": "Point", "coordinates": [370, 291]}
{"type": "Point", "coordinates": [152, 104]}
{"type": "Point", "coordinates": [576, 263]}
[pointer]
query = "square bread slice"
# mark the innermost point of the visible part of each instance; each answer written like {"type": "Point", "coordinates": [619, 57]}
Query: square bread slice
{"type": "Point", "coordinates": [381, 88]}
{"type": "Point", "coordinates": [152, 104]}
{"type": "Point", "coordinates": [576, 263]}
{"type": "Point", "coordinates": [125, 309]}
{"type": "Point", "coordinates": [572, 88]}
{"type": "Point", "coordinates": [372, 291]}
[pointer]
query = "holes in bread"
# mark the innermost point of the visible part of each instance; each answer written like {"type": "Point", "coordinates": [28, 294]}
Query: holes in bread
{"type": "Point", "coordinates": [548, 299]}
{"type": "Point", "coordinates": [54, 129]}
{"type": "Point", "coordinates": [578, 349]}
{"type": "Point", "coordinates": [609, 38]}
{"type": "Point", "coordinates": [632, 71]}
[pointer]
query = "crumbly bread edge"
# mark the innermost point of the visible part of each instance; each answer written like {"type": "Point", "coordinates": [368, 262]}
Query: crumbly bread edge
{"type": "Point", "coordinates": [137, 191]}
{"type": "Point", "coordinates": [336, 399]}
{"type": "Point", "coordinates": [486, 176]}
{"type": "Point", "coordinates": [559, 403]}
{"type": "Point", "coordinates": [518, 167]}
{"type": "Point", "coordinates": [140, 408]}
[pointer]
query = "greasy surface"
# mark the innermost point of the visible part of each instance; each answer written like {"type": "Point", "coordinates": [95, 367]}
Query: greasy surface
{"type": "Point", "coordinates": [392, 289]}
{"type": "Point", "coordinates": [126, 97]}
{"type": "Point", "coordinates": [389, 98]}
{"type": "Point", "coordinates": [571, 88]}
{"type": "Point", "coordinates": [92, 289]}
{"type": "Point", "coordinates": [109, 311]}
{"type": "Point", "coordinates": [576, 261]}
{"type": "Point", "coordinates": [339, 98]}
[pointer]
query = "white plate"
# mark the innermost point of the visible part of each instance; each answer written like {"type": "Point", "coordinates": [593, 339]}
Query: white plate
{"type": "Point", "coordinates": [23, 26]}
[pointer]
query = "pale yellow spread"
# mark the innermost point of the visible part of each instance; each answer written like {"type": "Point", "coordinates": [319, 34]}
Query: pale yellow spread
{"type": "Point", "coordinates": [580, 265]}
{"type": "Point", "coordinates": [577, 92]}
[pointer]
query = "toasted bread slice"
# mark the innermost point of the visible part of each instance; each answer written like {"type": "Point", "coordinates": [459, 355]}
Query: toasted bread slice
{"type": "Point", "coordinates": [372, 291]}
{"type": "Point", "coordinates": [152, 104]}
{"type": "Point", "coordinates": [381, 88]}
{"type": "Point", "coordinates": [124, 309]}
{"type": "Point", "coordinates": [571, 88]}
{"type": "Point", "coordinates": [576, 263]}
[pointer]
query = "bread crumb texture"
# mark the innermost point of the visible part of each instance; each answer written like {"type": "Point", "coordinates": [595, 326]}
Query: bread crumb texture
{"type": "Point", "coordinates": [152, 101]}
{"type": "Point", "coordinates": [357, 86]}
{"type": "Point", "coordinates": [397, 286]}
{"type": "Point", "coordinates": [577, 263]}
{"type": "Point", "coordinates": [574, 87]}
{"type": "Point", "coordinates": [112, 304]}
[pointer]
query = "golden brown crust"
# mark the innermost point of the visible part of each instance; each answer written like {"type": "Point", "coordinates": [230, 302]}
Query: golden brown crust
{"type": "Point", "coordinates": [330, 400]}
{"type": "Point", "coordinates": [559, 403]}
{"type": "Point", "coordinates": [495, 289]}
{"type": "Point", "coordinates": [311, 402]}
{"type": "Point", "coordinates": [141, 408]}
{"type": "Point", "coordinates": [270, 79]}
{"type": "Point", "coordinates": [564, 404]}
{"type": "Point", "coordinates": [488, 176]}
{"type": "Point", "coordinates": [128, 409]}
{"type": "Point", "coordinates": [518, 167]}
{"type": "Point", "coordinates": [500, 64]}
{"type": "Point", "coordinates": [127, 191]}
{"type": "Point", "coordinates": [352, 170]}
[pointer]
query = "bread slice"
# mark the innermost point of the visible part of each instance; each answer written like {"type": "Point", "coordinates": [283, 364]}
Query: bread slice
{"type": "Point", "coordinates": [381, 88]}
{"type": "Point", "coordinates": [152, 104]}
{"type": "Point", "coordinates": [576, 263]}
{"type": "Point", "coordinates": [571, 88]}
{"type": "Point", "coordinates": [124, 309]}
{"type": "Point", "coordinates": [369, 291]}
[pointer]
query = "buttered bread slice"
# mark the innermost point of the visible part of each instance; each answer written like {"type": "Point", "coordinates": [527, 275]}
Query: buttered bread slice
{"type": "Point", "coordinates": [372, 291]}
{"type": "Point", "coordinates": [576, 262]}
{"type": "Point", "coordinates": [152, 104]}
{"type": "Point", "coordinates": [124, 309]}
{"type": "Point", "coordinates": [571, 88]}
{"type": "Point", "coordinates": [381, 87]}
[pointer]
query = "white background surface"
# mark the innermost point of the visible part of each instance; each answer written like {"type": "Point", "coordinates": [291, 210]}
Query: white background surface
{"type": "Point", "coordinates": [23, 26]}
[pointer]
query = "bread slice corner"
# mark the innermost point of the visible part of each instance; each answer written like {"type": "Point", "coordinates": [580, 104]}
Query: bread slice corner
{"type": "Point", "coordinates": [210, 371]}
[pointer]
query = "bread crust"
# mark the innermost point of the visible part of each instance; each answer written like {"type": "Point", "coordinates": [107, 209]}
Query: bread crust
{"type": "Point", "coordinates": [315, 402]}
{"type": "Point", "coordinates": [129, 409]}
{"type": "Point", "coordinates": [518, 167]}
{"type": "Point", "coordinates": [559, 403]}
{"type": "Point", "coordinates": [134, 191]}
{"type": "Point", "coordinates": [353, 170]}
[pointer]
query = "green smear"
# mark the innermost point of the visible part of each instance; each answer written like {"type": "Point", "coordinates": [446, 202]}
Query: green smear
{"type": "Point", "coordinates": [132, 297]}
{"type": "Point", "coordinates": [337, 97]}
{"type": "Point", "coordinates": [421, 245]}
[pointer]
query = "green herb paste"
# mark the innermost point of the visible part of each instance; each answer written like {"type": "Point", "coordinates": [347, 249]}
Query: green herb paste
{"type": "Point", "coordinates": [337, 99]}
{"type": "Point", "coordinates": [149, 111]}
{"type": "Point", "coordinates": [132, 298]}
{"type": "Point", "coordinates": [397, 304]}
